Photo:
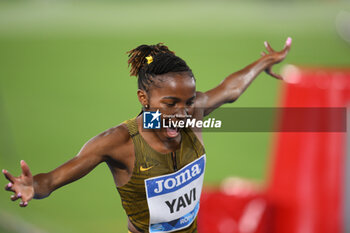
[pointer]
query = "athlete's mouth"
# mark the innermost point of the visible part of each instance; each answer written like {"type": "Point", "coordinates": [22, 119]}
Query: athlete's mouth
{"type": "Point", "coordinates": [172, 131]}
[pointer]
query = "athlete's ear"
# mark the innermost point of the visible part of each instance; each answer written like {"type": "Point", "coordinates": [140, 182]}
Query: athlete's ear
{"type": "Point", "coordinates": [143, 97]}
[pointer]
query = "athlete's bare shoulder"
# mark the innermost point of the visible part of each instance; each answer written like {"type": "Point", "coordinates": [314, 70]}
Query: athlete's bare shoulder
{"type": "Point", "coordinates": [113, 139]}
{"type": "Point", "coordinates": [118, 134]}
{"type": "Point", "coordinates": [118, 151]}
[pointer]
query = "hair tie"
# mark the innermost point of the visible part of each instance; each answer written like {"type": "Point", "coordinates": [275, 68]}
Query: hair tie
{"type": "Point", "coordinates": [149, 59]}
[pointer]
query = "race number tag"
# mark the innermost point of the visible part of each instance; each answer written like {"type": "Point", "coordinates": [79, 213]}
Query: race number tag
{"type": "Point", "coordinates": [173, 199]}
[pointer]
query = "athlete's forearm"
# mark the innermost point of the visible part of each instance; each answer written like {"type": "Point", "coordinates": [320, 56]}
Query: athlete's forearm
{"type": "Point", "coordinates": [74, 169]}
{"type": "Point", "coordinates": [236, 83]}
{"type": "Point", "coordinates": [45, 183]}
{"type": "Point", "coordinates": [232, 87]}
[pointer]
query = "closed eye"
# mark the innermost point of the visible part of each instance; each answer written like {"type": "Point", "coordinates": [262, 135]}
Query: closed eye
{"type": "Point", "coordinates": [170, 104]}
{"type": "Point", "coordinates": [190, 103]}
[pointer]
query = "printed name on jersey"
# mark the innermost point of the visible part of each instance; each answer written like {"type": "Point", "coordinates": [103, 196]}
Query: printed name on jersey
{"type": "Point", "coordinates": [182, 201]}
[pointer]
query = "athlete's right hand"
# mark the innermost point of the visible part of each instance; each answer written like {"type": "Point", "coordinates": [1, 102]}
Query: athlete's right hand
{"type": "Point", "coordinates": [22, 186]}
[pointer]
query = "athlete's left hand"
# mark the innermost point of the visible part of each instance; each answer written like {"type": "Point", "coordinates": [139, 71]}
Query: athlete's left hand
{"type": "Point", "coordinates": [274, 57]}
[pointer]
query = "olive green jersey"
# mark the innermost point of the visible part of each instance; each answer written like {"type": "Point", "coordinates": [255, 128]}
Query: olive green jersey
{"type": "Point", "coordinates": [150, 163]}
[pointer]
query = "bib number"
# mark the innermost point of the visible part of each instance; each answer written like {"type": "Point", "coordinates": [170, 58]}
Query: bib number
{"type": "Point", "coordinates": [173, 199]}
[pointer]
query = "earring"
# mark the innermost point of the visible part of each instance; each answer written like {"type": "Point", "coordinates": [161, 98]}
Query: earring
{"type": "Point", "coordinates": [146, 106]}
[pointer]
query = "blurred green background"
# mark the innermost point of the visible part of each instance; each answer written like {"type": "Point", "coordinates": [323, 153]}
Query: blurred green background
{"type": "Point", "coordinates": [64, 79]}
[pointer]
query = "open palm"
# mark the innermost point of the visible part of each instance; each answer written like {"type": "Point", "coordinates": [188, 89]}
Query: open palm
{"type": "Point", "coordinates": [22, 186]}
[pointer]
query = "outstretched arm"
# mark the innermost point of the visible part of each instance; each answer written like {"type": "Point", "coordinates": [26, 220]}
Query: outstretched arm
{"type": "Point", "coordinates": [235, 84]}
{"type": "Point", "coordinates": [41, 185]}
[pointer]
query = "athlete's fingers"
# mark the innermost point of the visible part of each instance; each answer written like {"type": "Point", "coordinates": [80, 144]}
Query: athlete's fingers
{"type": "Point", "coordinates": [25, 169]}
{"type": "Point", "coordinates": [287, 45]}
{"type": "Point", "coordinates": [268, 47]}
{"type": "Point", "coordinates": [23, 203]}
{"type": "Point", "coordinates": [277, 76]}
{"type": "Point", "coordinates": [9, 187]}
{"type": "Point", "coordinates": [263, 53]}
{"type": "Point", "coordinates": [26, 198]}
{"type": "Point", "coordinates": [8, 176]}
{"type": "Point", "coordinates": [273, 74]}
{"type": "Point", "coordinates": [14, 197]}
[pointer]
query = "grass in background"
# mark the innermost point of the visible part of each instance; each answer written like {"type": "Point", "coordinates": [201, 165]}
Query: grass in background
{"type": "Point", "coordinates": [64, 79]}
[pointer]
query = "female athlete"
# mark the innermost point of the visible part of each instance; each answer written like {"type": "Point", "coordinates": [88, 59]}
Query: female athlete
{"type": "Point", "coordinates": [158, 172]}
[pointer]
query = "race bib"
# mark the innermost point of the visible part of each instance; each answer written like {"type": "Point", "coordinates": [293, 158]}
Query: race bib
{"type": "Point", "coordinates": [173, 199]}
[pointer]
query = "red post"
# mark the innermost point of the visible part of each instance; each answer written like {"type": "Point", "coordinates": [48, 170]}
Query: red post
{"type": "Point", "coordinates": [306, 191]}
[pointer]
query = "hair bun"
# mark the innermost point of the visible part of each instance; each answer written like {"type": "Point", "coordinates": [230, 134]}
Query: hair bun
{"type": "Point", "coordinates": [137, 56]}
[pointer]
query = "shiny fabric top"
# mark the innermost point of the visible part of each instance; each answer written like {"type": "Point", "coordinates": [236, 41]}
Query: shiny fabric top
{"type": "Point", "coordinates": [150, 163]}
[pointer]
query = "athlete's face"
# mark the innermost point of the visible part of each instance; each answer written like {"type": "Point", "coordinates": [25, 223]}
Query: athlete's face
{"type": "Point", "coordinates": [174, 95]}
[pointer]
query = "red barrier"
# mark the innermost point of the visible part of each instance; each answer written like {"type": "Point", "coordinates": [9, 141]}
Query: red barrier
{"type": "Point", "coordinates": [307, 177]}
{"type": "Point", "coordinates": [239, 208]}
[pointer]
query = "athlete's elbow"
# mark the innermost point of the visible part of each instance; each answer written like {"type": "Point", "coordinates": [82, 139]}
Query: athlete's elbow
{"type": "Point", "coordinates": [232, 95]}
{"type": "Point", "coordinates": [231, 100]}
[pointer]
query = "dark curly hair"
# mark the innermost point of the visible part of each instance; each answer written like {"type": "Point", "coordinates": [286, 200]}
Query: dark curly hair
{"type": "Point", "coordinates": [164, 61]}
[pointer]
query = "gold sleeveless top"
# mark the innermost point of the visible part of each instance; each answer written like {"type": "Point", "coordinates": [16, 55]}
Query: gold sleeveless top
{"type": "Point", "coordinates": [150, 163]}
